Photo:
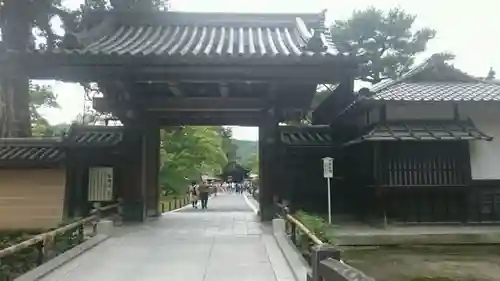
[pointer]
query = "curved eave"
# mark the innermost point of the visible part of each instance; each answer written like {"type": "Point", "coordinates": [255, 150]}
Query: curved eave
{"type": "Point", "coordinates": [80, 57]}
{"type": "Point", "coordinates": [75, 67]}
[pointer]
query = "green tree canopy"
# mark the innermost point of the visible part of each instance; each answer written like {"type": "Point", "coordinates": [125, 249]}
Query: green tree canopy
{"type": "Point", "coordinates": [228, 146]}
{"type": "Point", "coordinates": [41, 97]}
{"type": "Point", "coordinates": [385, 40]}
{"type": "Point", "coordinates": [252, 163]}
{"type": "Point", "coordinates": [23, 21]}
{"type": "Point", "coordinates": [188, 152]}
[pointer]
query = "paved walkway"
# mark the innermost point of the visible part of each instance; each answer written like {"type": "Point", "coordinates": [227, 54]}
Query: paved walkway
{"type": "Point", "coordinates": [225, 242]}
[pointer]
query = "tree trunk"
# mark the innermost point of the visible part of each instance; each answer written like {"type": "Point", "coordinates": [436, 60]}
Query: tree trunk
{"type": "Point", "coordinates": [14, 97]}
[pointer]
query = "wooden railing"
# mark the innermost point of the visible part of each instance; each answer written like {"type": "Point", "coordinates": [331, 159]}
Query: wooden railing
{"type": "Point", "coordinates": [296, 232]}
{"type": "Point", "coordinates": [174, 204]}
{"type": "Point", "coordinates": [24, 256]}
{"type": "Point", "coordinates": [323, 258]}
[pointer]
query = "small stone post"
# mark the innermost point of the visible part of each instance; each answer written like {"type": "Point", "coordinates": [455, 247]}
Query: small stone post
{"type": "Point", "coordinates": [279, 226]}
{"type": "Point", "coordinates": [105, 227]}
{"type": "Point", "coordinates": [319, 253]}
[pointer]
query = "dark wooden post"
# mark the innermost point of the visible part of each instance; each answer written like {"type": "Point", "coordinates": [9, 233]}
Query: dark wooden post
{"type": "Point", "coordinates": [267, 166]}
{"type": "Point", "coordinates": [150, 164]}
{"type": "Point", "coordinates": [319, 253]}
{"type": "Point", "coordinates": [281, 187]}
{"type": "Point", "coordinates": [134, 207]}
{"type": "Point", "coordinates": [70, 191]}
{"type": "Point", "coordinates": [79, 199]}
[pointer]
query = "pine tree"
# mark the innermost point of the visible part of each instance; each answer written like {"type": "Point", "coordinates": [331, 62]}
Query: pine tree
{"type": "Point", "coordinates": [385, 41]}
{"type": "Point", "coordinates": [491, 74]}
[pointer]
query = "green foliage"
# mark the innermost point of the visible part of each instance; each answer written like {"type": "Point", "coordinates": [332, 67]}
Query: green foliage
{"type": "Point", "coordinates": [20, 262]}
{"type": "Point", "coordinates": [252, 163]}
{"type": "Point", "coordinates": [385, 40]}
{"type": "Point", "coordinates": [188, 152]}
{"type": "Point", "coordinates": [317, 225]}
{"type": "Point", "coordinates": [245, 149]}
{"type": "Point", "coordinates": [229, 145]}
{"type": "Point", "coordinates": [40, 14]}
{"type": "Point", "coordinates": [41, 97]}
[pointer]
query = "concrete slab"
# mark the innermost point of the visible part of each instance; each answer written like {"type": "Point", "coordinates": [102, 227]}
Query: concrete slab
{"type": "Point", "coordinates": [225, 242]}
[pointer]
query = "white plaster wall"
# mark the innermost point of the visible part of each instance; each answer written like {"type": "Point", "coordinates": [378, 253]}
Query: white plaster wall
{"type": "Point", "coordinates": [484, 155]}
{"type": "Point", "coordinates": [422, 110]}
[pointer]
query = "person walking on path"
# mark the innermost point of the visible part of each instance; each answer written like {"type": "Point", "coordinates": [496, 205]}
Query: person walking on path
{"type": "Point", "coordinates": [204, 190]}
{"type": "Point", "coordinates": [193, 195]}
{"type": "Point", "coordinates": [216, 189]}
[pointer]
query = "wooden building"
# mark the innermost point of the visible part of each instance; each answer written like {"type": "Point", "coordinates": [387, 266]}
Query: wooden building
{"type": "Point", "coordinates": [301, 150]}
{"type": "Point", "coordinates": [422, 148]}
{"type": "Point", "coordinates": [234, 172]}
{"type": "Point", "coordinates": [177, 68]}
{"type": "Point", "coordinates": [45, 181]}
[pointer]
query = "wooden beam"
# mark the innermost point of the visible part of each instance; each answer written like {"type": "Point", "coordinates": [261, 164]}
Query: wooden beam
{"type": "Point", "coordinates": [187, 104]}
{"type": "Point", "coordinates": [174, 88]}
{"type": "Point", "coordinates": [210, 118]}
{"type": "Point", "coordinates": [202, 104]}
{"type": "Point", "coordinates": [247, 122]}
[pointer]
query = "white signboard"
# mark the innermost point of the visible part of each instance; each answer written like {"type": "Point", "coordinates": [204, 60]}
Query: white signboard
{"type": "Point", "coordinates": [100, 184]}
{"type": "Point", "coordinates": [328, 167]}
{"type": "Point", "coordinates": [328, 174]}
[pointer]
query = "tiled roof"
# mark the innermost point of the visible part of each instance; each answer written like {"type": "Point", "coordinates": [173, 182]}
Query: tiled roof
{"type": "Point", "coordinates": [440, 91]}
{"type": "Point", "coordinates": [423, 130]}
{"type": "Point", "coordinates": [80, 135]}
{"type": "Point", "coordinates": [31, 150]}
{"type": "Point", "coordinates": [53, 150]}
{"type": "Point", "coordinates": [306, 136]}
{"type": "Point", "coordinates": [210, 36]}
{"type": "Point", "coordinates": [436, 81]}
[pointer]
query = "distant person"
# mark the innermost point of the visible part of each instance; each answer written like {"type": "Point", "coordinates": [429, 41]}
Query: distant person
{"type": "Point", "coordinates": [215, 188]}
{"type": "Point", "coordinates": [204, 191]}
{"type": "Point", "coordinates": [193, 195]}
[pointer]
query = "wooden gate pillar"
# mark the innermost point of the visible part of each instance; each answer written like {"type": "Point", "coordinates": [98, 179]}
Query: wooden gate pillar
{"type": "Point", "coordinates": [268, 168]}
{"type": "Point", "coordinates": [75, 190]}
{"type": "Point", "coordinates": [134, 205]}
{"type": "Point", "coordinates": [150, 165]}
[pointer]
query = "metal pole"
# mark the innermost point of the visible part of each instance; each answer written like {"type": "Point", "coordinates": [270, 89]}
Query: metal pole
{"type": "Point", "coordinates": [329, 202]}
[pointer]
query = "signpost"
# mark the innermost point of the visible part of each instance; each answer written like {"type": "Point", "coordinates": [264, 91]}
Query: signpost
{"type": "Point", "coordinates": [328, 175]}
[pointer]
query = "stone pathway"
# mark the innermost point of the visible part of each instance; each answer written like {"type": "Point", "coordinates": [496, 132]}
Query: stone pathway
{"type": "Point", "coordinates": [225, 242]}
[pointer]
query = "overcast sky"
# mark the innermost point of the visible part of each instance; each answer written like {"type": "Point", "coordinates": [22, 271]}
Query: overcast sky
{"type": "Point", "coordinates": [469, 29]}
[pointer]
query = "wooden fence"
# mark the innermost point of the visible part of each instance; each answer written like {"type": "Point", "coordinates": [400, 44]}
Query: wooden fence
{"type": "Point", "coordinates": [24, 256]}
{"type": "Point", "coordinates": [323, 258]}
{"type": "Point", "coordinates": [173, 204]}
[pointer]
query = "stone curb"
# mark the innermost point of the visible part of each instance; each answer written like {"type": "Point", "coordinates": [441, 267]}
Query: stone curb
{"type": "Point", "coordinates": [252, 206]}
{"type": "Point", "coordinates": [293, 257]}
{"type": "Point", "coordinates": [53, 264]}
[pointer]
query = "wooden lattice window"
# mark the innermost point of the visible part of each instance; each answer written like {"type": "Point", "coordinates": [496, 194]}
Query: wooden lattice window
{"type": "Point", "coordinates": [423, 164]}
